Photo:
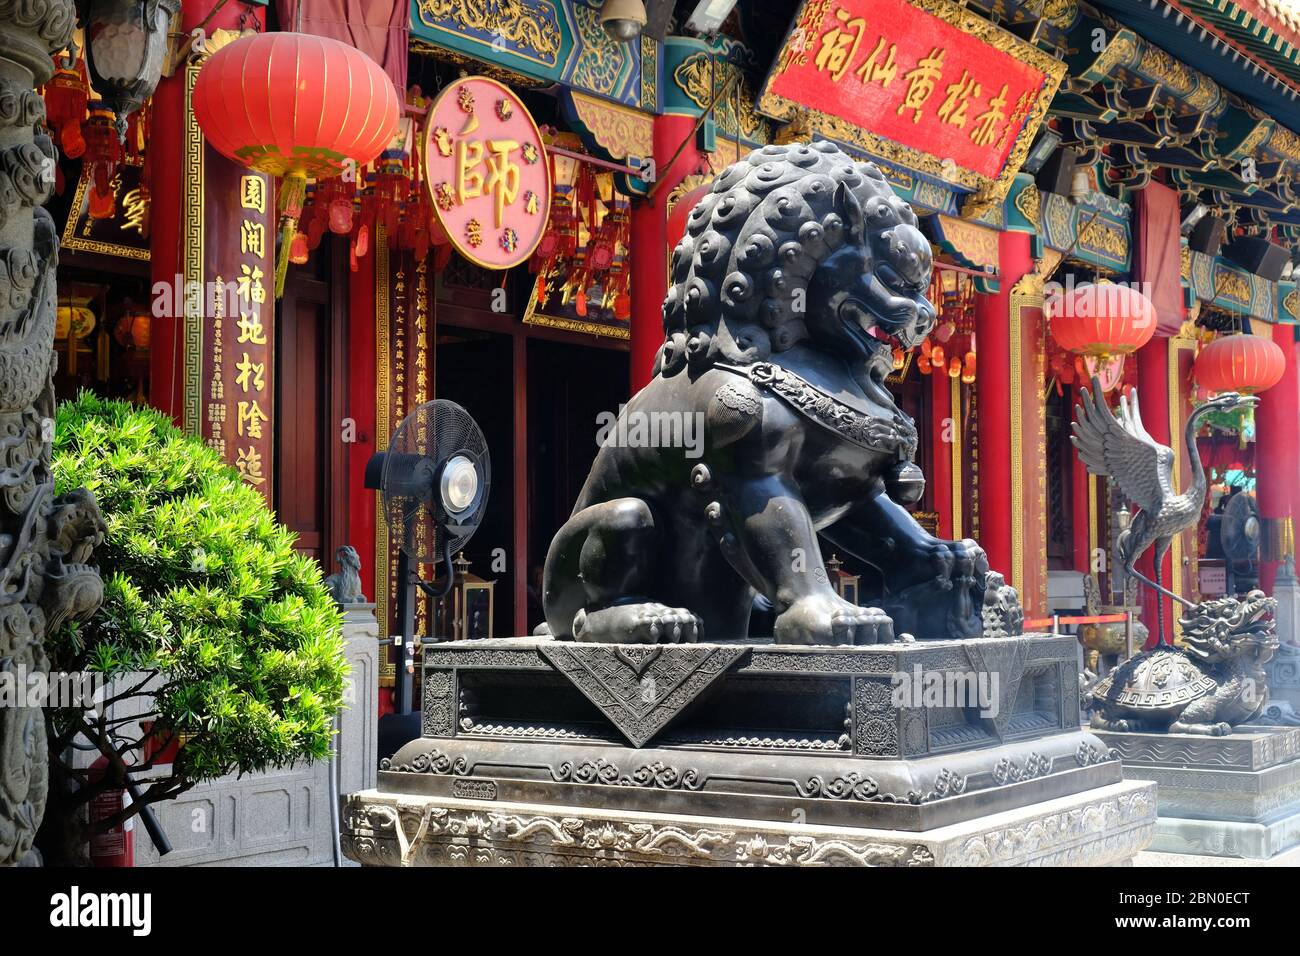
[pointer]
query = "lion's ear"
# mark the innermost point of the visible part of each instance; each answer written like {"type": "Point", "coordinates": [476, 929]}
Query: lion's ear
{"type": "Point", "coordinates": [849, 209]}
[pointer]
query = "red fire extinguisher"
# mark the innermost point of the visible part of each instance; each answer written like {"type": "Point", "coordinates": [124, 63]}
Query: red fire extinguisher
{"type": "Point", "coordinates": [114, 846]}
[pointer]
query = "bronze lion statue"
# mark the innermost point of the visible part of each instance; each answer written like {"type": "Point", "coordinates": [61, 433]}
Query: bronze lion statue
{"type": "Point", "coordinates": [768, 423]}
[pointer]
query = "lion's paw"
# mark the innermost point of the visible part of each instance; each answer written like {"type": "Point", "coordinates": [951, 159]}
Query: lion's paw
{"type": "Point", "coordinates": [645, 622]}
{"type": "Point", "coordinates": [829, 619]}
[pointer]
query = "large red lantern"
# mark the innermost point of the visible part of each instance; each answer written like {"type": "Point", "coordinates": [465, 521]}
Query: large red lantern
{"type": "Point", "coordinates": [1240, 363]}
{"type": "Point", "coordinates": [1102, 320]}
{"type": "Point", "coordinates": [295, 106]}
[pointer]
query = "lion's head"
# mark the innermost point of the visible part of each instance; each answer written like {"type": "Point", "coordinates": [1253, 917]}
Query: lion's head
{"type": "Point", "coordinates": [797, 243]}
{"type": "Point", "coordinates": [1215, 631]}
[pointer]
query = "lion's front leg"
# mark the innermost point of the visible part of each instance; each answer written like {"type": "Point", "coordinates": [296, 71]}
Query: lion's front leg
{"type": "Point", "coordinates": [770, 540]}
{"type": "Point", "coordinates": [932, 588]}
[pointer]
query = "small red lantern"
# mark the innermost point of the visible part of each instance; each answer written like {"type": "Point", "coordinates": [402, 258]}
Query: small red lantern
{"type": "Point", "coordinates": [66, 96]}
{"type": "Point", "coordinates": [132, 330]}
{"type": "Point", "coordinates": [296, 106]}
{"type": "Point", "coordinates": [103, 157]}
{"type": "Point", "coordinates": [1102, 320]}
{"type": "Point", "coordinates": [1240, 363]}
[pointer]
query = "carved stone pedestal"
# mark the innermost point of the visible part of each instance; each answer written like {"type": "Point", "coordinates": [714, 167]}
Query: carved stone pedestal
{"type": "Point", "coordinates": [1106, 825]}
{"type": "Point", "coordinates": [1235, 796]}
{"type": "Point", "coordinates": [554, 753]}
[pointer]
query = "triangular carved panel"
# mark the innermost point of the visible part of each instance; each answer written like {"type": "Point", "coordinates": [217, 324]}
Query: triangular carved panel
{"type": "Point", "coordinates": [1006, 658]}
{"type": "Point", "coordinates": [641, 688]}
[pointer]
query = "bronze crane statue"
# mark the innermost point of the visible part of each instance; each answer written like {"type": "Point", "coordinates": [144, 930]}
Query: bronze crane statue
{"type": "Point", "coordinates": [1120, 447]}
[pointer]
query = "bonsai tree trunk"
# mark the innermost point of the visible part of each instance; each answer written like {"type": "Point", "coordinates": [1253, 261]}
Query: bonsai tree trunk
{"type": "Point", "coordinates": [44, 541]}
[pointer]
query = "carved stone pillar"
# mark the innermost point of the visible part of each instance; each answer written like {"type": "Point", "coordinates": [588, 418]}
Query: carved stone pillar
{"type": "Point", "coordinates": [44, 541]}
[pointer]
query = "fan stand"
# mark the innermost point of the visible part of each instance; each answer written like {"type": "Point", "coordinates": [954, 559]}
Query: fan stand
{"type": "Point", "coordinates": [403, 686]}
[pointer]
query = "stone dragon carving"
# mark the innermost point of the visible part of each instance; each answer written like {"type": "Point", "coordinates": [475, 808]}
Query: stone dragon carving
{"type": "Point", "coordinates": [45, 541]}
{"type": "Point", "coordinates": [1213, 682]}
{"type": "Point", "coordinates": [797, 275]}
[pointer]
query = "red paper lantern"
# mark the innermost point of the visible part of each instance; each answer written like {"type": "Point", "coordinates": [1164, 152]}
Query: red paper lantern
{"type": "Point", "coordinates": [103, 156]}
{"type": "Point", "coordinates": [132, 330]}
{"type": "Point", "coordinates": [1102, 320]}
{"type": "Point", "coordinates": [66, 96]}
{"type": "Point", "coordinates": [296, 106]}
{"type": "Point", "coordinates": [1240, 363]}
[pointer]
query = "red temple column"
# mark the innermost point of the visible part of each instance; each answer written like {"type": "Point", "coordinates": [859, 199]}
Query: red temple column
{"type": "Point", "coordinates": [649, 246]}
{"type": "Point", "coordinates": [1153, 390]}
{"type": "Point", "coordinates": [1277, 459]}
{"type": "Point", "coordinates": [993, 392]}
{"type": "Point", "coordinates": [167, 210]}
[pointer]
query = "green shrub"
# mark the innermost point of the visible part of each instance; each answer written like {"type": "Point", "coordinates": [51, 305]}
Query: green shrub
{"type": "Point", "coordinates": [202, 587]}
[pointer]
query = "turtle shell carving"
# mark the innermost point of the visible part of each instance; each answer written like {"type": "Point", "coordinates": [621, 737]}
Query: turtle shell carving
{"type": "Point", "coordinates": [1160, 680]}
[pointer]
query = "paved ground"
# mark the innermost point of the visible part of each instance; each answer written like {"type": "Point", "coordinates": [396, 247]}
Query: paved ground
{"type": "Point", "coordinates": [1289, 858]}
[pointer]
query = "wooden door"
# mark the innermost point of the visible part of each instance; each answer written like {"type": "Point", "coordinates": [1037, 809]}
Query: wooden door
{"type": "Point", "coordinates": [310, 477]}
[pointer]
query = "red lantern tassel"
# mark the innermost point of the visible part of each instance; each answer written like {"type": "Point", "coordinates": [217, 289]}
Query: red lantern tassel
{"type": "Point", "coordinates": [293, 192]}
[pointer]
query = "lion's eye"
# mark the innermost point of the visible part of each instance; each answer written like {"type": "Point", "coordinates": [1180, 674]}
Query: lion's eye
{"type": "Point", "coordinates": [888, 275]}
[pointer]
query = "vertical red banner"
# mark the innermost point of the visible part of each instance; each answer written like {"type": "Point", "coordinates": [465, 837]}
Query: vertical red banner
{"type": "Point", "coordinates": [236, 399]}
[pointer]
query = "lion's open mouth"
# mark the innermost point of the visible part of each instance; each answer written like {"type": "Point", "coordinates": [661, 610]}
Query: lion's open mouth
{"type": "Point", "coordinates": [893, 341]}
{"type": "Point", "coordinates": [878, 346]}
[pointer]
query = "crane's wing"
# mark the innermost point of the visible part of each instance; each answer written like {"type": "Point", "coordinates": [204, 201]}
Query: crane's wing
{"type": "Point", "coordinates": [1122, 448]}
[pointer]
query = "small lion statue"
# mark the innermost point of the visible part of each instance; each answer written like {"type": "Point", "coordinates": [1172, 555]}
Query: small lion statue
{"type": "Point", "coordinates": [1215, 681]}
{"type": "Point", "coordinates": [345, 584]}
{"type": "Point", "coordinates": [799, 273]}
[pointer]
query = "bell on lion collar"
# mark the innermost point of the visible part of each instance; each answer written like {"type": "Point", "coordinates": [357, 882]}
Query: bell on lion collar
{"type": "Point", "coordinates": [905, 483]}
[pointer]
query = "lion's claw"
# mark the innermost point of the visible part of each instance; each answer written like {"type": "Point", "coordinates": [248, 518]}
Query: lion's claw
{"type": "Point", "coordinates": [829, 619]}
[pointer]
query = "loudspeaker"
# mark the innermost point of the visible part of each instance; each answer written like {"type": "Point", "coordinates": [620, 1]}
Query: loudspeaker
{"type": "Point", "coordinates": [1208, 235]}
{"type": "Point", "coordinates": [1259, 256]}
{"type": "Point", "coordinates": [1057, 174]}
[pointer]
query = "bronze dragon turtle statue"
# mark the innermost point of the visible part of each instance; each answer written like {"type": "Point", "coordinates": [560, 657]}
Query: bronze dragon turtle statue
{"type": "Point", "coordinates": [797, 275]}
{"type": "Point", "coordinates": [1213, 682]}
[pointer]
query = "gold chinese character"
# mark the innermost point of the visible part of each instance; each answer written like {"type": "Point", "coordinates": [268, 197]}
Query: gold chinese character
{"type": "Point", "coordinates": [251, 414]}
{"type": "Point", "coordinates": [984, 131]}
{"type": "Point", "coordinates": [503, 176]}
{"type": "Point", "coordinates": [252, 193]}
{"type": "Point", "coordinates": [1023, 105]}
{"type": "Point", "coordinates": [250, 329]}
{"type": "Point", "coordinates": [920, 83]}
{"type": "Point", "coordinates": [469, 181]}
{"type": "Point", "coordinates": [249, 284]}
{"type": "Point", "coordinates": [252, 238]}
{"type": "Point", "coordinates": [839, 47]}
{"type": "Point", "coordinates": [249, 463]}
{"type": "Point", "coordinates": [871, 72]}
{"type": "Point", "coordinates": [134, 206]}
{"type": "Point", "coordinates": [474, 233]}
{"type": "Point", "coordinates": [953, 109]}
{"type": "Point", "coordinates": [250, 371]}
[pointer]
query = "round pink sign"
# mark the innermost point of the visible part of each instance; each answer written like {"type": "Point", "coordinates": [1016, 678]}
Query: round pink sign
{"type": "Point", "coordinates": [487, 171]}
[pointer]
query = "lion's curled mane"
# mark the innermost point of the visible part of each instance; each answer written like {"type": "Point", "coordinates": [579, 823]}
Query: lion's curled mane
{"type": "Point", "coordinates": [753, 243]}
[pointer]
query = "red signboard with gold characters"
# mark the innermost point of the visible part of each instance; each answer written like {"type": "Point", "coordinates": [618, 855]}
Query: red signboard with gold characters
{"type": "Point", "coordinates": [488, 172]}
{"type": "Point", "coordinates": [923, 83]}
